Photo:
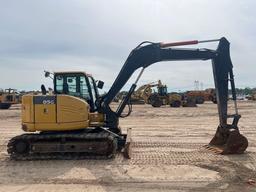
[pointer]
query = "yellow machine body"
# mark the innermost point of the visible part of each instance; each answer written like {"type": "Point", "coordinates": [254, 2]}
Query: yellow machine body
{"type": "Point", "coordinates": [57, 113]}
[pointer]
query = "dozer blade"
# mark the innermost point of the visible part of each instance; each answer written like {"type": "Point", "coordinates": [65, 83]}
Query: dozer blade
{"type": "Point", "coordinates": [128, 145]}
{"type": "Point", "coordinates": [228, 142]}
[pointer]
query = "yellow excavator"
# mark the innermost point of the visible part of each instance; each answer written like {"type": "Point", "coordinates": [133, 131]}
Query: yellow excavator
{"type": "Point", "coordinates": [76, 123]}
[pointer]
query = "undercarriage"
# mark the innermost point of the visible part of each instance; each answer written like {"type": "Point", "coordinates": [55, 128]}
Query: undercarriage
{"type": "Point", "coordinates": [94, 144]}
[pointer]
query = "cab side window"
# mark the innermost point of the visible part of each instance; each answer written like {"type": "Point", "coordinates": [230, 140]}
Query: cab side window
{"type": "Point", "coordinates": [59, 83]}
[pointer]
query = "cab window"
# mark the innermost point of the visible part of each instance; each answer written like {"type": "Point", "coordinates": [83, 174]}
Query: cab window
{"type": "Point", "coordinates": [75, 85]}
{"type": "Point", "coordinates": [72, 87]}
{"type": "Point", "coordinates": [59, 84]}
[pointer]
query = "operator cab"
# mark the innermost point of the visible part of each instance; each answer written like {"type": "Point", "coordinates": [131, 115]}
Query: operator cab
{"type": "Point", "coordinates": [78, 84]}
{"type": "Point", "coordinates": [162, 90]}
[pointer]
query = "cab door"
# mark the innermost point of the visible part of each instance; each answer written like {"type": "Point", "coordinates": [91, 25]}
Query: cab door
{"type": "Point", "coordinates": [75, 84]}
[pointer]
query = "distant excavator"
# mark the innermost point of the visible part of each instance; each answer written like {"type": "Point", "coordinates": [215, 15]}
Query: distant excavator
{"type": "Point", "coordinates": [76, 123]}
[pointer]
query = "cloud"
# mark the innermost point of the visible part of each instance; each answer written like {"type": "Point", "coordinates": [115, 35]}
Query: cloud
{"type": "Point", "coordinates": [97, 36]}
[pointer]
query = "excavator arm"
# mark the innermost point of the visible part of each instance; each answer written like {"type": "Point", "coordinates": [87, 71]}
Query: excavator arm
{"type": "Point", "coordinates": [144, 56]}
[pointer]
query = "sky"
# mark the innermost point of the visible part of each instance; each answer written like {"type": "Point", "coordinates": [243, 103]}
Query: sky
{"type": "Point", "coordinates": [96, 36]}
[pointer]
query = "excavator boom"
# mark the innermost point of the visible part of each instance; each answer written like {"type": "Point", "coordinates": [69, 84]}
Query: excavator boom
{"type": "Point", "coordinates": [144, 56]}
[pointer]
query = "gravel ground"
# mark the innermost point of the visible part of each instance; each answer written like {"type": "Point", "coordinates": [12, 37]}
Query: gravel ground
{"type": "Point", "coordinates": [167, 156]}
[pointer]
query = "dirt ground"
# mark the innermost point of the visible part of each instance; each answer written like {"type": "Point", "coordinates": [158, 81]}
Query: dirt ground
{"type": "Point", "coordinates": [167, 156]}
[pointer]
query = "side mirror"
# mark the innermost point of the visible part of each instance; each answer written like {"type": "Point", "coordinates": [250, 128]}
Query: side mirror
{"type": "Point", "coordinates": [100, 84]}
{"type": "Point", "coordinates": [47, 74]}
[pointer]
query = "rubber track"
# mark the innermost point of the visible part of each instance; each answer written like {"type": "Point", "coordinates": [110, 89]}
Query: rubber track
{"type": "Point", "coordinates": [64, 155]}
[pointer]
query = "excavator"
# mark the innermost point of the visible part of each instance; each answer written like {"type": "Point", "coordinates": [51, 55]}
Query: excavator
{"type": "Point", "coordinates": [75, 123]}
{"type": "Point", "coordinates": [142, 94]}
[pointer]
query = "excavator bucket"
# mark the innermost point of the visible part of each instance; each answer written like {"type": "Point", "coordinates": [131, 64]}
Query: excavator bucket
{"type": "Point", "coordinates": [228, 142]}
{"type": "Point", "coordinates": [127, 152]}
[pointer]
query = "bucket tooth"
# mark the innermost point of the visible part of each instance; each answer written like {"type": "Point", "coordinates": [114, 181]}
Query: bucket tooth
{"type": "Point", "coordinates": [228, 142]}
{"type": "Point", "coordinates": [214, 149]}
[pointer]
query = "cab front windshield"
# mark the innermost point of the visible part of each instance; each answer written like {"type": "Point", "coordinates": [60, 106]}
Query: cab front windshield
{"type": "Point", "coordinates": [162, 90]}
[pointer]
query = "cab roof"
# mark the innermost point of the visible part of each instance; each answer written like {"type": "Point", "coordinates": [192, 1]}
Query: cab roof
{"type": "Point", "coordinates": [72, 72]}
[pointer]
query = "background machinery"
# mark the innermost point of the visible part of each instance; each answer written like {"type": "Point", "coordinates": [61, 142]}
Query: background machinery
{"type": "Point", "coordinates": [142, 94]}
{"type": "Point", "coordinates": [252, 96]}
{"type": "Point", "coordinates": [8, 97]}
{"type": "Point", "coordinates": [75, 122]}
{"type": "Point", "coordinates": [162, 97]}
{"type": "Point", "coordinates": [200, 96]}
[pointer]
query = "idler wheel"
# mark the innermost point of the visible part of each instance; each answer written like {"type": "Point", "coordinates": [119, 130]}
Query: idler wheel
{"type": "Point", "coordinates": [21, 147]}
